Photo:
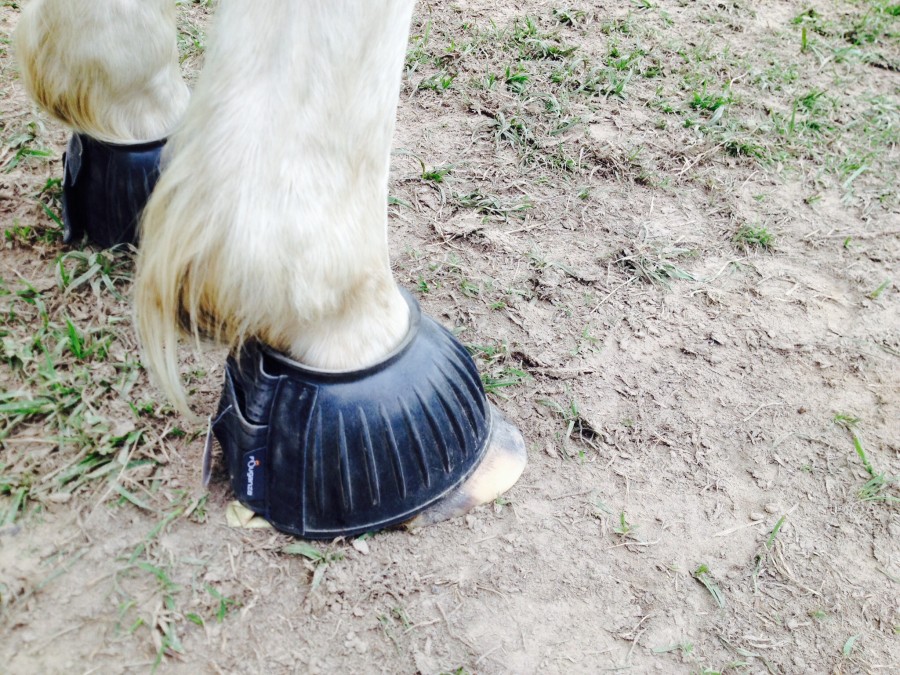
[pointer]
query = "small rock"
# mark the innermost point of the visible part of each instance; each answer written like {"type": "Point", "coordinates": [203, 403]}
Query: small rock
{"type": "Point", "coordinates": [757, 515]}
{"type": "Point", "coordinates": [425, 663]}
{"type": "Point", "coordinates": [772, 508]}
{"type": "Point", "coordinates": [361, 545]}
{"type": "Point", "coordinates": [353, 642]}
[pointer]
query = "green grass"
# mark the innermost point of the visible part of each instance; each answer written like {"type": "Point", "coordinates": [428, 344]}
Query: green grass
{"type": "Point", "coordinates": [191, 34]}
{"type": "Point", "coordinates": [159, 596]}
{"type": "Point", "coordinates": [684, 647]}
{"type": "Point", "coordinates": [437, 174]}
{"type": "Point", "coordinates": [623, 528]}
{"type": "Point", "coordinates": [874, 295]}
{"type": "Point", "coordinates": [107, 271]}
{"type": "Point", "coordinates": [715, 90]}
{"type": "Point", "coordinates": [765, 555]}
{"type": "Point", "coordinates": [749, 237]}
{"type": "Point", "coordinates": [577, 428]}
{"type": "Point", "coordinates": [849, 644]}
{"type": "Point", "coordinates": [18, 496]}
{"type": "Point", "coordinates": [62, 376]}
{"type": "Point", "coordinates": [658, 264]}
{"type": "Point", "coordinates": [880, 486]}
{"type": "Point", "coordinates": [319, 560]}
{"type": "Point", "coordinates": [508, 376]}
{"type": "Point", "coordinates": [873, 25]}
{"type": "Point", "coordinates": [24, 148]}
{"type": "Point", "coordinates": [496, 373]}
{"type": "Point", "coordinates": [704, 576]}
{"type": "Point", "coordinates": [533, 41]}
{"type": "Point", "coordinates": [516, 80]}
{"type": "Point", "coordinates": [703, 100]}
{"type": "Point", "coordinates": [35, 232]}
{"type": "Point", "coordinates": [774, 533]}
{"type": "Point", "coordinates": [493, 205]}
{"type": "Point", "coordinates": [438, 82]}
{"type": "Point", "coordinates": [569, 16]}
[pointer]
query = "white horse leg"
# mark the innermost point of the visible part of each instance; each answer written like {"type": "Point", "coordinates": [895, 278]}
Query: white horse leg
{"type": "Point", "coordinates": [105, 68]}
{"type": "Point", "coordinates": [270, 220]}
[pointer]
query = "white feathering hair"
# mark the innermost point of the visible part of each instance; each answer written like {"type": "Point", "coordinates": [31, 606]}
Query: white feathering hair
{"type": "Point", "coordinates": [270, 218]}
{"type": "Point", "coordinates": [106, 68]}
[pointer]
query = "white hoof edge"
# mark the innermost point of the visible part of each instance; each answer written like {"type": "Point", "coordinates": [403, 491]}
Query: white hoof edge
{"type": "Point", "coordinates": [503, 464]}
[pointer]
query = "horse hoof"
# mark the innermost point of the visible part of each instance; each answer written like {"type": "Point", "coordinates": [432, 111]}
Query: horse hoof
{"type": "Point", "coordinates": [501, 467]}
{"type": "Point", "coordinates": [322, 454]}
{"type": "Point", "coordinates": [105, 189]}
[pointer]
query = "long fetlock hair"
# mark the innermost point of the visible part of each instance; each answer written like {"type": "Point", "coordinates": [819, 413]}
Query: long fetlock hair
{"type": "Point", "coordinates": [270, 218]}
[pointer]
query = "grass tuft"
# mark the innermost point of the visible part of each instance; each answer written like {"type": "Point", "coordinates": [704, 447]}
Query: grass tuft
{"type": "Point", "coordinates": [703, 575]}
{"type": "Point", "coordinates": [879, 485]}
{"type": "Point", "coordinates": [749, 237]}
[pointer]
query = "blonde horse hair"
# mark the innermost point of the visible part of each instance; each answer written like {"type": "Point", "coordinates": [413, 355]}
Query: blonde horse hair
{"type": "Point", "coordinates": [106, 68]}
{"type": "Point", "coordinates": [270, 218]}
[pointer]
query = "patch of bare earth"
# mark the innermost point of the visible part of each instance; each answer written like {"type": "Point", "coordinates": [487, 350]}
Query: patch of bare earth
{"type": "Point", "coordinates": [669, 233]}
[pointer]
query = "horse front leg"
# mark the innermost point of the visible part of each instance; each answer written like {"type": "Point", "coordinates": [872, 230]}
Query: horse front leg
{"type": "Point", "coordinates": [270, 220]}
{"type": "Point", "coordinates": [269, 227]}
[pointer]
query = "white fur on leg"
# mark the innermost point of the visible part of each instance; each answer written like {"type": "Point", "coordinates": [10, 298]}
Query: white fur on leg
{"type": "Point", "coordinates": [270, 220]}
{"type": "Point", "coordinates": [106, 68]}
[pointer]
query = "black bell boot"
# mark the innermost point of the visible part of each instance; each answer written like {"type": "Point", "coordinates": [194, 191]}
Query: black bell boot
{"type": "Point", "coordinates": [322, 454]}
{"type": "Point", "coordinates": [105, 189]}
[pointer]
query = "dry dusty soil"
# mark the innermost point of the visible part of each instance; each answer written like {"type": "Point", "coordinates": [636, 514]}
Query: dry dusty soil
{"type": "Point", "coordinates": [669, 233]}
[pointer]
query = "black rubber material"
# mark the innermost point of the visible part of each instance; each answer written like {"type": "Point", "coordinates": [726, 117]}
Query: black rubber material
{"type": "Point", "coordinates": [105, 189]}
{"type": "Point", "coordinates": [322, 454]}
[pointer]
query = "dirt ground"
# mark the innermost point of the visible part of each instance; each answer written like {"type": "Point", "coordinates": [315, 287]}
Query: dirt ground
{"type": "Point", "coordinates": [669, 231]}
